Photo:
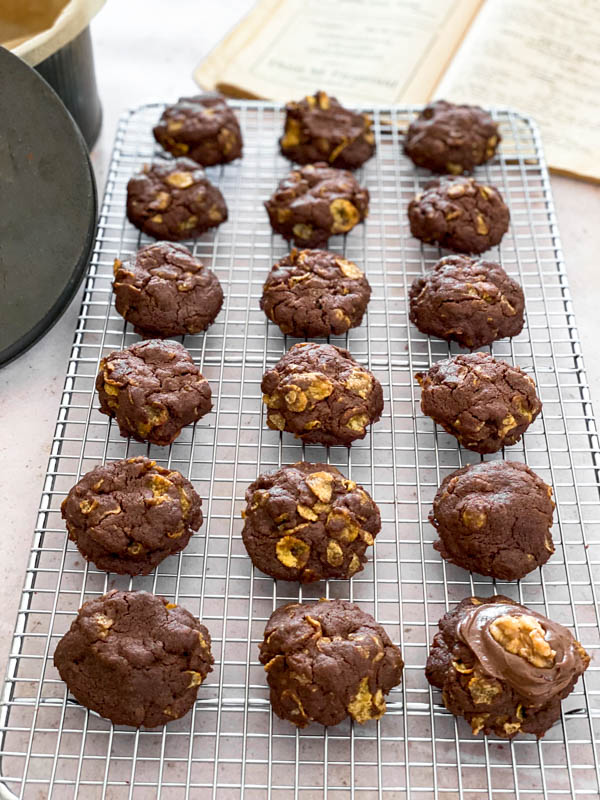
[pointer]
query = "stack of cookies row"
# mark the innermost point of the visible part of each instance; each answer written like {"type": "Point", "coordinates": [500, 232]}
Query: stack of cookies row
{"type": "Point", "coordinates": [502, 666]}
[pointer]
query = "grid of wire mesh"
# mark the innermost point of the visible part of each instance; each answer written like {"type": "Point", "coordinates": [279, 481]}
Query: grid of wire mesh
{"type": "Point", "coordinates": [230, 745]}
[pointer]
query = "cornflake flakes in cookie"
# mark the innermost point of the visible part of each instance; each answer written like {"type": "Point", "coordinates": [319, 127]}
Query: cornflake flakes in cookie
{"type": "Point", "coordinates": [174, 200]}
{"type": "Point", "coordinates": [153, 389]}
{"type": "Point", "coordinates": [315, 293]}
{"type": "Point", "coordinates": [315, 202]}
{"type": "Point", "coordinates": [322, 395]}
{"type": "Point", "coordinates": [460, 214]}
{"type": "Point", "coordinates": [471, 301]}
{"type": "Point", "coordinates": [306, 522]}
{"type": "Point", "coordinates": [494, 518]}
{"type": "Point", "coordinates": [451, 138]}
{"type": "Point", "coordinates": [486, 403]}
{"type": "Point", "coordinates": [504, 667]}
{"type": "Point", "coordinates": [328, 661]}
{"type": "Point", "coordinates": [204, 128]}
{"type": "Point", "coordinates": [165, 291]}
{"type": "Point", "coordinates": [128, 516]}
{"type": "Point", "coordinates": [134, 658]}
{"type": "Point", "coordinates": [318, 128]}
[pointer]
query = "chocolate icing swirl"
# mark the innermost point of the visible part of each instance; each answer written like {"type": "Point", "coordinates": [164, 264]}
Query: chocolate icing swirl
{"type": "Point", "coordinates": [535, 684]}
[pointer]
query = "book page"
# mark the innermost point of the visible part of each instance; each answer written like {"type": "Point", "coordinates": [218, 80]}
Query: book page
{"type": "Point", "coordinates": [541, 57]}
{"type": "Point", "coordinates": [366, 51]}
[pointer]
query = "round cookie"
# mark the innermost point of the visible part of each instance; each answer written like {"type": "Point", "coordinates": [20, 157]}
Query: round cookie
{"type": "Point", "coordinates": [134, 658]}
{"type": "Point", "coordinates": [165, 291]}
{"type": "Point", "coordinates": [503, 667]}
{"type": "Point", "coordinates": [315, 202]}
{"type": "Point", "coordinates": [306, 522]}
{"type": "Point", "coordinates": [128, 516]}
{"type": "Point", "coordinates": [327, 661]}
{"type": "Point", "coordinates": [318, 128]}
{"type": "Point", "coordinates": [322, 395]}
{"type": "Point", "coordinates": [494, 518]}
{"type": "Point", "coordinates": [314, 293]}
{"type": "Point", "coordinates": [471, 301]}
{"type": "Point", "coordinates": [451, 138]}
{"type": "Point", "coordinates": [153, 389]}
{"type": "Point", "coordinates": [174, 200]}
{"type": "Point", "coordinates": [460, 214]}
{"type": "Point", "coordinates": [204, 128]}
{"type": "Point", "coordinates": [487, 404]}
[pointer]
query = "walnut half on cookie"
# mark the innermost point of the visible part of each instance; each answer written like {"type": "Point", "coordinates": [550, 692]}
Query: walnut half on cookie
{"type": "Point", "coordinates": [322, 395]}
{"type": "Point", "coordinates": [504, 667]}
{"type": "Point", "coordinates": [307, 522]}
{"type": "Point", "coordinates": [327, 661]}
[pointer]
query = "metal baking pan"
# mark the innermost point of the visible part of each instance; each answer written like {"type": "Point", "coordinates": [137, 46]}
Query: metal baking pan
{"type": "Point", "coordinates": [230, 745]}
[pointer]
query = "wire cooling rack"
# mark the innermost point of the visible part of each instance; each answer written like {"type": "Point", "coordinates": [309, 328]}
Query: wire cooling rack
{"type": "Point", "coordinates": [230, 745]}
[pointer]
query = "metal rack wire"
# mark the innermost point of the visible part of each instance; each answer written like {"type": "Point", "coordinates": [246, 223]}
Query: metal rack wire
{"type": "Point", "coordinates": [230, 745]}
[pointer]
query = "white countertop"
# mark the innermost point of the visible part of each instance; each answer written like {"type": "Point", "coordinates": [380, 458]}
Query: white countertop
{"type": "Point", "coordinates": [145, 54]}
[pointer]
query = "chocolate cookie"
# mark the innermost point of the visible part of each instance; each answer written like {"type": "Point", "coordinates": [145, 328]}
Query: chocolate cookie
{"type": "Point", "coordinates": [174, 200]}
{"type": "Point", "coordinates": [503, 667]}
{"type": "Point", "coordinates": [326, 661]}
{"type": "Point", "coordinates": [460, 214]}
{"type": "Point", "coordinates": [471, 301]}
{"type": "Point", "coordinates": [318, 128]}
{"type": "Point", "coordinates": [128, 516]}
{"type": "Point", "coordinates": [306, 522]}
{"type": "Point", "coordinates": [153, 389]}
{"type": "Point", "coordinates": [134, 658]}
{"type": "Point", "coordinates": [322, 395]}
{"type": "Point", "coordinates": [165, 291]}
{"type": "Point", "coordinates": [315, 202]}
{"type": "Point", "coordinates": [202, 127]}
{"type": "Point", "coordinates": [451, 138]}
{"type": "Point", "coordinates": [311, 293]}
{"type": "Point", "coordinates": [494, 518]}
{"type": "Point", "coordinates": [487, 404]}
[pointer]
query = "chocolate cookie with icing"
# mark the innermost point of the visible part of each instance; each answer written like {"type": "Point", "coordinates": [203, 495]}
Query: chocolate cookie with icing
{"type": "Point", "coordinates": [504, 667]}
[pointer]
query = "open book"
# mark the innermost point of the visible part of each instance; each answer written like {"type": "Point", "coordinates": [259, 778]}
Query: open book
{"type": "Point", "coordinates": [538, 56]}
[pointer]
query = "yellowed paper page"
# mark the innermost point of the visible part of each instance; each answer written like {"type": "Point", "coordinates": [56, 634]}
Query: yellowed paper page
{"type": "Point", "coordinates": [541, 57]}
{"type": "Point", "coordinates": [366, 51]}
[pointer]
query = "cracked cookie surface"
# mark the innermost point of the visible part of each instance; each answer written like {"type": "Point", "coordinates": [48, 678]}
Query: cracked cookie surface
{"type": "Point", "coordinates": [128, 516]}
{"type": "Point", "coordinates": [494, 518]}
{"type": "Point", "coordinates": [318, 128]}
{"type": "Point", "coordinates": [460, 214]}
{"type": "Point", "coordinates": [153, 389]}
{"type": "Point", "coordinates": [165, 291]}
{"type": "Point", "coordinates": [315, 293]}
{"type": "Point", "coordinates": [327, 661]}
{"type": "Point", "coordinates": [504, 667]}
{"type": "Point", "coordinates": [451, 138]}
{"type": "Point", "coordinates": [134, 658]}
{"type": "Point", "coordinates": [322, 395]}
{"type": "Point", "coordinates": [486, 403]}
{"type": "Point", "coordinates": [307, 522]}
{"type": "Point", "coordinates": [174, 200]}
{"type": "Point", "coordinates": [471, 301]}
{"type": "Point", "coordinates": [203, 128]}
{"type": "Point", "coordinates": [315, 202]}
